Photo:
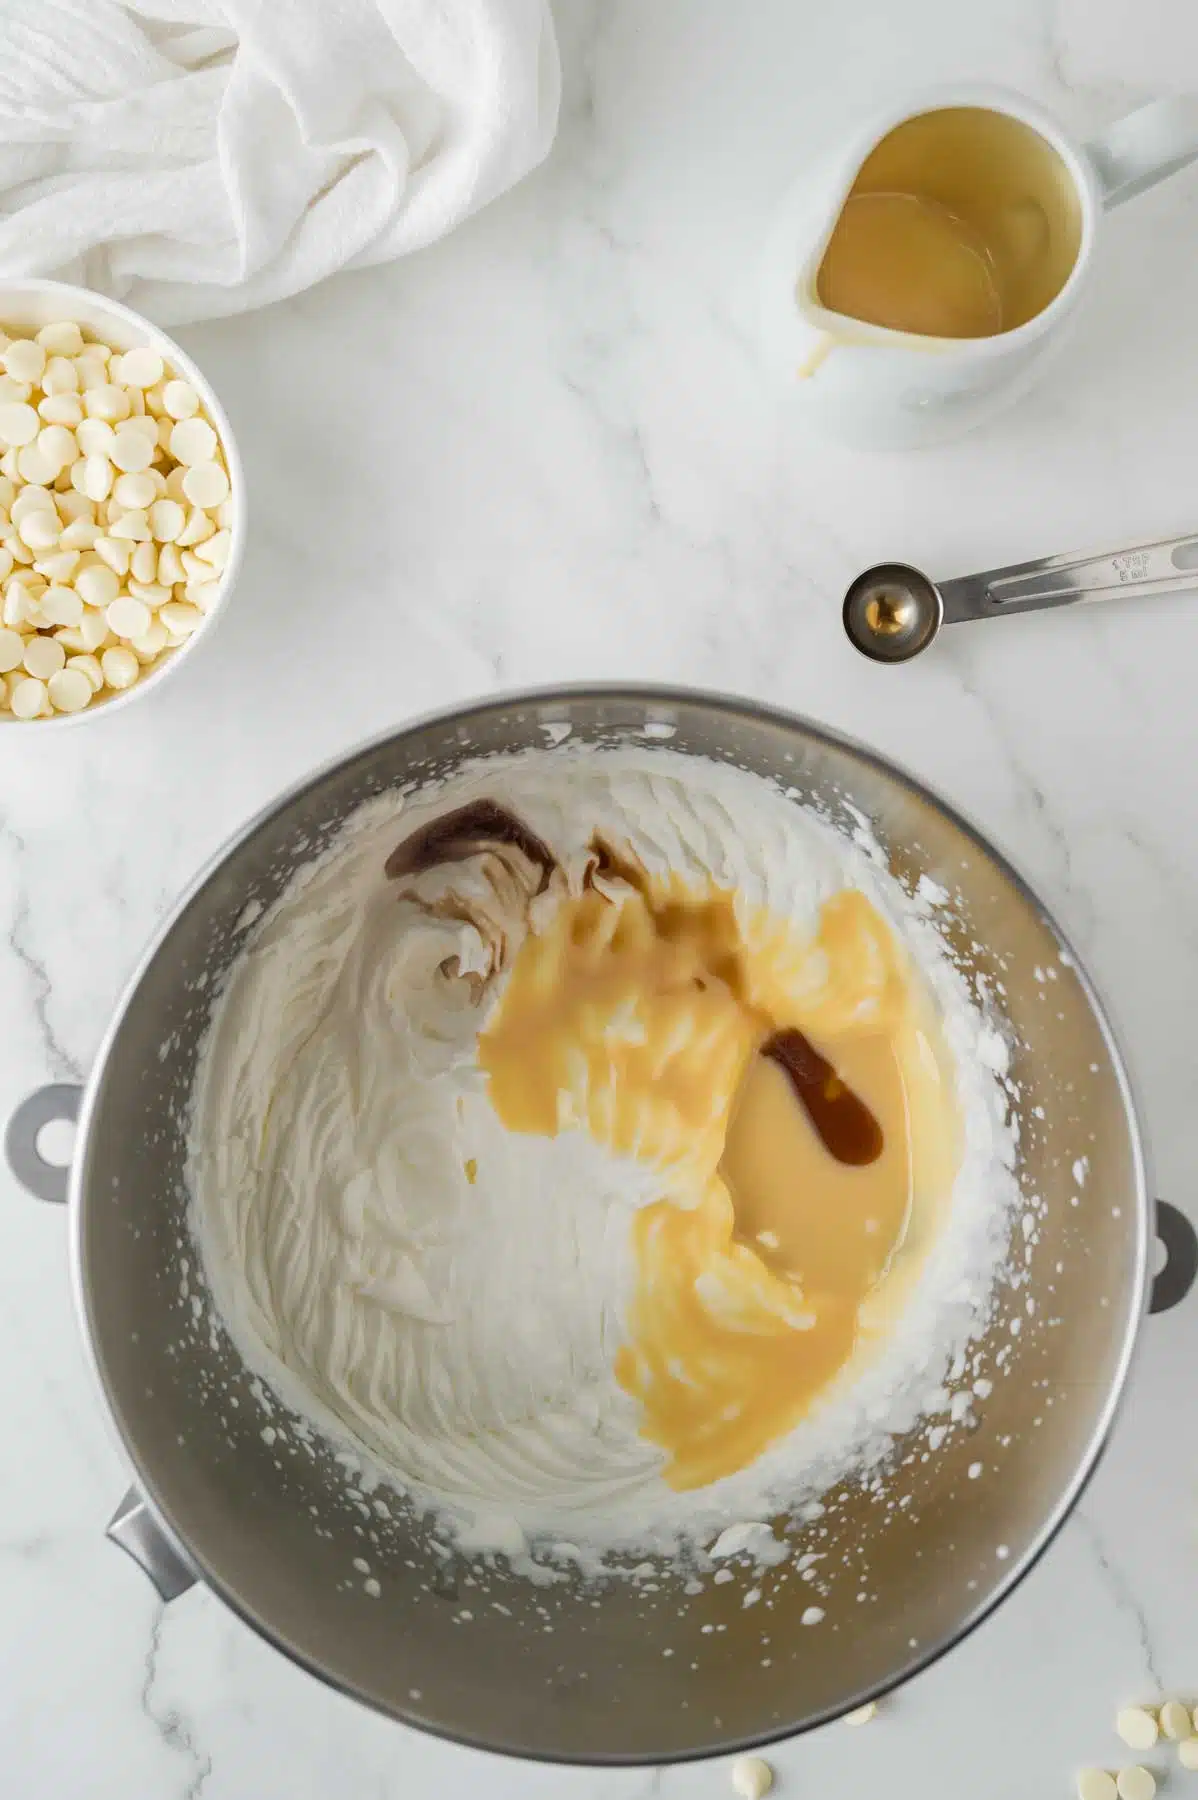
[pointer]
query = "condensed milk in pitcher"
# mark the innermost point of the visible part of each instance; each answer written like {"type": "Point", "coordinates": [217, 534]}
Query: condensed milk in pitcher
{"type": "Point", "coordinates": [916, 280]}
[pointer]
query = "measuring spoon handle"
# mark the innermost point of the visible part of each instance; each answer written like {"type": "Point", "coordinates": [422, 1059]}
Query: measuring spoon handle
{"type": "Point", "coordinates": [1163, 567]}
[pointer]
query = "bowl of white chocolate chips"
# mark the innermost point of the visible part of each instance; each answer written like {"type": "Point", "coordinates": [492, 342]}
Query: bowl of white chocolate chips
{"type": "Point", "coordinates": [121, 505]}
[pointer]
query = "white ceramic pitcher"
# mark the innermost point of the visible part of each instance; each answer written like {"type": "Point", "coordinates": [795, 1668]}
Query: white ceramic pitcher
{"type": "Point", "coordinates": [880, 388]}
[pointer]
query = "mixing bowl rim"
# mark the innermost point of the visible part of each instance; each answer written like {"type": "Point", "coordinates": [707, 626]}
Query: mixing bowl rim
{"type": "Point", "coordinates": [651, 694]}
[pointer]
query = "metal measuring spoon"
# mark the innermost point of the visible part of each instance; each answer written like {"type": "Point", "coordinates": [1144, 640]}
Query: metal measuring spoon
{"type": "Point", "coordinates": [892, 612]}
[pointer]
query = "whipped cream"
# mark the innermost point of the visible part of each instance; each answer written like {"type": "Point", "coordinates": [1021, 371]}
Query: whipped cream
{"type": "Point", "coordinates": [460, 1332]}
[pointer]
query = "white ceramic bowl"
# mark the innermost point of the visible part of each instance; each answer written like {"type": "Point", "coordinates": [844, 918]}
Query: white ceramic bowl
{"type": "Point", "coordinates": [28, 305]}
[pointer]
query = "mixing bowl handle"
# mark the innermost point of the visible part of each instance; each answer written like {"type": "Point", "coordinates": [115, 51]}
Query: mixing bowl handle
{"type": "Point", "coordinates": [138, 1532]}
{"type": "Point", "coordinates": [44, 1180]}
{"type": "Point", "coordinates": [132, 1525]}
{"type": "Point", "coordinates": [1179, 1241]}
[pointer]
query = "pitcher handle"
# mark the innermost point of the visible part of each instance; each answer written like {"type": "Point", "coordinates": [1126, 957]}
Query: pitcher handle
{"type": "Point", "coordinates": [1147, 146]}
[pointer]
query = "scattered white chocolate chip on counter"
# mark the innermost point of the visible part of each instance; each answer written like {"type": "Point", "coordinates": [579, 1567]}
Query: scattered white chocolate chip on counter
{"type": "Point", "coordinates": [1137, 1727]}
{"type": "Point", "coordinates": [1187, 1753]}
{"type": "Point", "coordinates": [1096, 1784]}
{"type": "Point", "coordinates": [1135, 1783]}
{"type": "Point", "coordinates": [864, 1714]}
{"type": "Point", "coordinates": [115, 516]}
{"type": "Point", "coordinates": [1175, 1720]}
{"type": "Point", "coordinates": [752, 1777]}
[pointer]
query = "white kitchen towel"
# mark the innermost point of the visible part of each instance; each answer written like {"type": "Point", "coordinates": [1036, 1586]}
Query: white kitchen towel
{"type": "Point", "coordinates": [198, 157]}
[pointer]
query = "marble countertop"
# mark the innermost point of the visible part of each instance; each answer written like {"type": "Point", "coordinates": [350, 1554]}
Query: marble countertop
{"type": "Point", "coordinates": [543, 451]}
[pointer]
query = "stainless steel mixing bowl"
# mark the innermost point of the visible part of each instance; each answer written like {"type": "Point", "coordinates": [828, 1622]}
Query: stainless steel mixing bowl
{"type": "Point", "coordinates": [639, 1676]}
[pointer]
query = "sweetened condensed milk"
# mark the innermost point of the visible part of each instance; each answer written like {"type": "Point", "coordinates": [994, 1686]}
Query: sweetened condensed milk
{"type": "Point", "coordinates": [789, 1090]}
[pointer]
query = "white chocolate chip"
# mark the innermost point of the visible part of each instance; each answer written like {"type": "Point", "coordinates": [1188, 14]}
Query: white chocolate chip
{"type": "Point", "coordinates": [12, 650]}
{"type": "Point", "coordinates": [152, 641]}
{"type": "Point", "coordinates": [80, 534]}
{"type": "Point", "coordinates": [19, 424]}
{"type": "Point", "coordinates": [128, 618]}
{"type": "Point", "coordinates": [24, 360]}
{"type": "Point", "coordinates": [61, 606]}
{"type": "Point", "coordinates": [115, 553]}
{"type": "Point", "coordinates": [206, 484]}
{"type": "Point", "coordinates": [1095, 1784]}
{"type": "Point", "coordinates": [94, 629]}
{"type": "Point", "coordinates": [203, 594]}
{"type": "Point", "coordinates": [60, 376]}
{"type": "Point", "coordinates": [97, 585]}
{"type": "Point", "coordinates": [91, 370]}
{"type": "Point", "coordinates": [149, 593]}
{"type": "Point", "coordinates": [140, 368]}
{"type": "Point", "coordinates": [167, 519]}
{"type": "Point", "coordinates": [752, 1777]}
{"type": "Point", "coordinates": [198, 527]}
{"type": "Point", "coordinates": [28, 698]}
{"type": "Point", "coordinates": [132, 492]}
{"type": "Point", "coordinates": [95, 437]}
{"type": "Point", "coordinates": [143, 564]}
{"type": "Point", "coordinates": [170, 565]}
{"type": "Point", "coordinates": [1137, 1727]}
{"type": "Point", "coordinates": [40, 528]}
{"type": "Point", "coordinates": [180, 400]}
{"type": "Point", "coordinates": [147, 425]}
{"type": "Point", "coordinates": [1175, 1721]}
{"type": "Point", "coordinates": [89, 666]}
{"type": "Point", "coordinates": [193, 441]}
{"type": "Point", "coordinates": [62, 338]}
{"type": "Point", "coordinates": [132, 525]}
{"type": "Point", "coordinates": [61, 409]}
{"type": "Point", "coordinates": [132, 450]}
{"type": "Point", "coordinates": [1187, 1753]}
{"type": "Point", "coordinates": [18, 604]}
{"type": "Point", "coordinates": [864, 1714]}
{"type": "Point", "coordinates": [92, 475]}
{"type": "Point", "coordinates": [70, 691]}
{"type": "Point", "coordinates": [59, 566]}
{"type": "Point", "coordinates": [107, 402]}
{"type": "Point", "coordinates": [30, 499]}
{"type": "Point", "coordinates": [181, 618]}
{"type": "Point", "coordinates": [58, 443]}
{"type": "Point", "coordinates": [36, 464]}
{"type": "Point", "coordinates": [1135, 1783]}
{"type": "Point", "coordinates": [44, 656]}
{"type": "Point", "coordinates": [121, 667]}
{"type": "Point", "coordinates": [215, 551]}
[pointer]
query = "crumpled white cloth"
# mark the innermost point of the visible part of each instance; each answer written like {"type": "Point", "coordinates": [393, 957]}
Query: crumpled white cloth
{"type": "Point", "coordinates": [199, 157]}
